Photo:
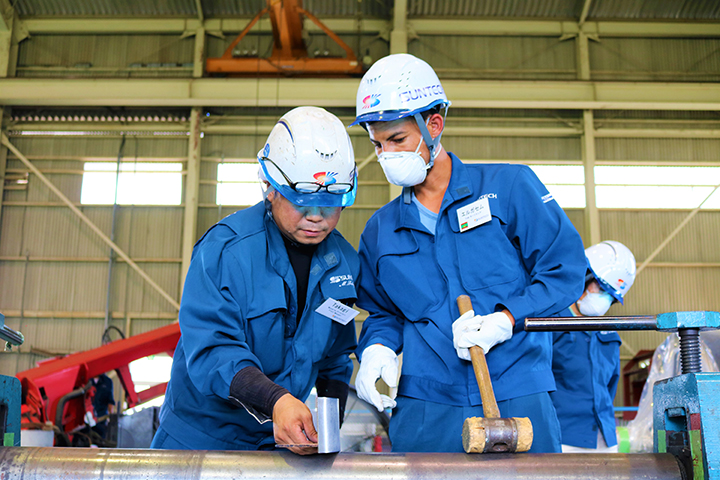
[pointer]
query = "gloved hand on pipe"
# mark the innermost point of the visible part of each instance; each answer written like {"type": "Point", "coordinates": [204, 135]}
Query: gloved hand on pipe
{"type": "Point", "coordinates": [485, 331]}
{"type": "Point", "coordinates": [377, 361]}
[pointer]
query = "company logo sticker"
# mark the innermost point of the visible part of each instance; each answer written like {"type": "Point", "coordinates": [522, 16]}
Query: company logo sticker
{"type": "Point", "coordinates": [371, 101]}
{"type": "Point", "coordinates": [266, 150]}
{"type": "Point", "coordinates": [325, 178]}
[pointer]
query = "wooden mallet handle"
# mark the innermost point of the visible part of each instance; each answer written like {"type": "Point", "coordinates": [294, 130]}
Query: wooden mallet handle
{"type": "Point", "coordinates": [482, 375]}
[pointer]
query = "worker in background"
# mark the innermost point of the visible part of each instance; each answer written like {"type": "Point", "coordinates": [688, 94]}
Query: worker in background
{"type": "Point", "coordinates": [263, 284]}
{"type": "Point", "coordinates": [492, 232]}
{"type": "Point", "coordinates": [586, 365]}
{"type": "Point", "coordinates": [103, 402]}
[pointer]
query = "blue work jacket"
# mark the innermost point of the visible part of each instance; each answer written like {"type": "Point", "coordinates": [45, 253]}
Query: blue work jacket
{"type": "Point", "coordinates": [586, 366]}
{"type": "Point", "coordinates": [528, 258]}
{"type": "Point", "coordinates": [239, 309]}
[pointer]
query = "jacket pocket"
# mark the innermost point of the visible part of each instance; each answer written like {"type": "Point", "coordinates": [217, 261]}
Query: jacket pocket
{"type": "Point", "coordinates": [266, 327]}
{"type": "Point", "coordinates": [405, 274]}
{"type": "Point", "coordinates": [486, 257]}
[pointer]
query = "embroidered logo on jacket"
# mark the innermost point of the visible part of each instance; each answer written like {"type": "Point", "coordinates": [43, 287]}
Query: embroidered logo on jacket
{"type": "Point", "coordinates": [343, 280]}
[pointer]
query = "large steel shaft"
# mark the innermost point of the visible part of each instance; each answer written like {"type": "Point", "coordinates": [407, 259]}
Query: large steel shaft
{"type": "Point", "coordinates": [28, 463]}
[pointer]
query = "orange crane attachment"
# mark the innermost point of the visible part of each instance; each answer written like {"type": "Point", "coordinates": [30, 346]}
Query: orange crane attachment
{"type": "Point", "coordinates": [289, 55]}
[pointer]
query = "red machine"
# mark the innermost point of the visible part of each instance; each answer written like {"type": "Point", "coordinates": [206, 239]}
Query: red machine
{"type": "Point", "coordinates": [55, 389]}
{"type": "Point", "coordinates": [289, 54]}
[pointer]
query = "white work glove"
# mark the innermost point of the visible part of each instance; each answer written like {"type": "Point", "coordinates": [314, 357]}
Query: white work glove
{"type": "Point", "coordinates": [485, 331]}
{"type": "Point", "coordinates": [377, 361]}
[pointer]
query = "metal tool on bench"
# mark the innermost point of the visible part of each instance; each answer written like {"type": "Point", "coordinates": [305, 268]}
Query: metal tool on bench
{"type": "Point", "coordinates": [491, 433]}
{"type": "Point", "coordinates": [685, 419]}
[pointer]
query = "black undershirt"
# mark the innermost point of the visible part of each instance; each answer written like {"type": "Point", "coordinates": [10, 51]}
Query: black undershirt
{"type": "Point", "coordinates": [250, 386]}
{"type": "Point", "coordinates": [300, 258]}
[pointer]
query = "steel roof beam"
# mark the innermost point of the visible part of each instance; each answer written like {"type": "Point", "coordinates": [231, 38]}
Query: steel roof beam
{"type": "Point", "coordinates": [71, 26]}
{"type": "Point", "coordinates": [227, 92]}
{"type": "Point", "coordinates": [421, 26]}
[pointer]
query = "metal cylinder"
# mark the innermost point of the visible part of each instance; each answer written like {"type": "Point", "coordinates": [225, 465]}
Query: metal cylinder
{"type": "Point", "coordinates": [582, 324]}
{"type": "Point", "coordinates": [115, 464]}
{"type": "Point", "coordinates": [690, 356]}
{"type": "Point", "coordinates": [327, 419]}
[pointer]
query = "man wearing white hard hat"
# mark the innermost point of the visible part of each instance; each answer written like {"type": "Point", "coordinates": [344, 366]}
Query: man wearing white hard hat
{"type": "Point", "coordinates": [266, 309]}
{"type": "Point", "coordinates": [586, 365]}
{"type": "Point", "coordinates": [492, 232]}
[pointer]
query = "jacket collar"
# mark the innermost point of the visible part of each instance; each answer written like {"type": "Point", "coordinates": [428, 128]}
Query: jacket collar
{"type": "Point", "coordinates": [324, 258]}
{"type": "Point", "coordinates": [459, 188]}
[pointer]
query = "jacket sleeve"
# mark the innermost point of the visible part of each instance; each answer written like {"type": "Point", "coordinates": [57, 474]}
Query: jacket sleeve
{"type": "Point", "coordinates": [550, 247]}
{"type": "Point", "coordinates": [614, 377]}
{"type": "Point", "coordinates": [384, 323]}
{"type": "Point", "coordinates": [211, 320]}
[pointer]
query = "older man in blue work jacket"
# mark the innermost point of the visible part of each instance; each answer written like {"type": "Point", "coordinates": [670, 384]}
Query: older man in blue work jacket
{"type": "Point", "coordinates": [258, 316]}
{"type": "Point", "coordinates": [492, 232]}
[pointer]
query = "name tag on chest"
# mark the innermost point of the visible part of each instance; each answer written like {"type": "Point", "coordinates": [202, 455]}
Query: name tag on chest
{"type": "Point", "coordinates": [337, 311]}
{"type": "Point", "coordinates": [475, 214]}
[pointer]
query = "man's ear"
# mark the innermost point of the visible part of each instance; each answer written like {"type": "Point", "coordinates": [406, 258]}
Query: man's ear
{"type": "Point", "coordinates": [267, 190]}
{"type": "Point", "coordinates": [435, 124]}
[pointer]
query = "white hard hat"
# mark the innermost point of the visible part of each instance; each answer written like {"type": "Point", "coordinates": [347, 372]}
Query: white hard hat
{"type": "Point", "coordinates": [309, 160]}
{"type": "Point", "coordinates": [397, 86]}
{"type": "Point", "coordinates": [613, 266]}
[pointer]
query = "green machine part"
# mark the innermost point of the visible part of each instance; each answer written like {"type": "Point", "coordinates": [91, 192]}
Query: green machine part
{"type": "Point", "coordinates": [10, 398]}
{"type": "Point", "coordinates": [686, 422]}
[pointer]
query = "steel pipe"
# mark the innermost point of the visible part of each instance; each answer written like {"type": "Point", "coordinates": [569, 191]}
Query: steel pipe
{"type": "Point", "coordinates": [575, 324]}
{"type": "Point", "coordinates": [114, 464]}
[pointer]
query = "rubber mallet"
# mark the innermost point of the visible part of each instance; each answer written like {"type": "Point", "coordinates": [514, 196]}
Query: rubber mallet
{"type": "Point", "coordinates": [491, 434]}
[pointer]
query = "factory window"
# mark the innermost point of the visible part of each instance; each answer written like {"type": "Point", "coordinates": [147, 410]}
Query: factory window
{"type": "Point", "coordinates": [238, 184]}
{"type": "Point", "coordinates": [651, 187]}
{"type": "Point", "coordinates": [564, 182]}
{"type": "Point", "coordinates": [148, 372]}
{"type": "Point", "coordinates": [656, 187]}
{"type": "Point", "coordinates": [137, 184]}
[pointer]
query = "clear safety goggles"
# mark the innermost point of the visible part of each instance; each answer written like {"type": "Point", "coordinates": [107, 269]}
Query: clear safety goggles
{"type": "Point", "coordinates": [312, 194]}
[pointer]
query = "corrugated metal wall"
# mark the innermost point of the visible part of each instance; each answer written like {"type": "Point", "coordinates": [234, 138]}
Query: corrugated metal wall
{"type": "Point", "coordinates": [35, 225]}
{"type": "Point", "coordinates": [656, 59]}
{"type": "Point", "coordinates": [541, 58]}
{"type": "Point", "coordinates": [45, 289]}
{"type": "Point", "coordinates": [106, 56]}
{"type": "Point", "coordinates": [54, 268]}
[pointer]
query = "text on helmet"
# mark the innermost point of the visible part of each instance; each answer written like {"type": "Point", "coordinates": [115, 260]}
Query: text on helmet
{"type": "Point", "coordinates": [416, 93]}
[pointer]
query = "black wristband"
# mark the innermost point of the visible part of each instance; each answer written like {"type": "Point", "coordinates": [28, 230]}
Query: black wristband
{"type": "Point", "coordinates": [252, 388]}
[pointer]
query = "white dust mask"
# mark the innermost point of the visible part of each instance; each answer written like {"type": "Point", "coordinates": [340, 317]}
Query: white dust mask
{"type": "Point", "coordinates": [405, 169]}
{"type": "Point", "coordinates": [595, 304]}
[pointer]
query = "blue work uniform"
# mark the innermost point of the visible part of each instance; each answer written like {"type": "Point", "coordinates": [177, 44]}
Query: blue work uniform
{"type": "Point", "coordinates": [238, 310]}
{"type": "Point", "coordinates": [586, 366]}
{"type": "Point", "coordinates": [527, 258]}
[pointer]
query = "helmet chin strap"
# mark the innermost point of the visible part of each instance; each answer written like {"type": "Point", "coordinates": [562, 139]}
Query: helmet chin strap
{"type": "Point", "coordinates": [429, 141]}
{"type": "Point", "coordinates": [433, 144]}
